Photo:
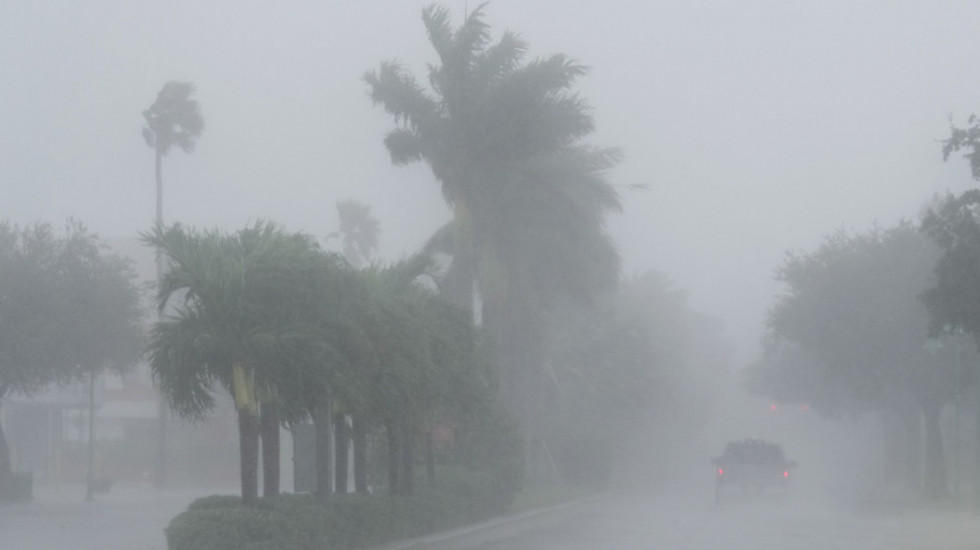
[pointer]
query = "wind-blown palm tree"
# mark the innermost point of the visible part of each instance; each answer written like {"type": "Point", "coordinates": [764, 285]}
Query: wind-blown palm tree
{"type": "Point", "coordinates": [244, 315]}
{"type": "Point", "coordinates": [503, 138]}
{"type": "Point", "coordinates": [174, 119]}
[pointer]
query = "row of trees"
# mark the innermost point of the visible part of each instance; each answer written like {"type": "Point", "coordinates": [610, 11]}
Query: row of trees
{"type": "Point", "coordinates": [880, 321]}
{"type": "Point", "coordinates": [526, 254]}
{"type": "Point", "coordinates": [293, 332]}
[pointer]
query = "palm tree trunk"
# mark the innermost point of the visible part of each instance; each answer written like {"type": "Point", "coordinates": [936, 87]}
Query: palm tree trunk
{"type": "Point", "coordinates": [163, 410]}
{"type": "Point", "coordinates": [407, 456]}
{"type": "Point", "coordinates": [342, 448]}
{"type": "Point", "coordinates": [392, 432]}
{"type": "Point", "coordinates": [935, 486]}
{"type": "Point", "coordinates": [248, 446]}
{"type": "Point", "coordinates": [270, 449]}
{"type": "Point", "coordinates": [321, 427]}
{"type": "Point", "coordinates": [6, 471]}
{"type": "Point", "coordinates": [359, 439]}
{"type": "Point", "coordinates": [430, 456]}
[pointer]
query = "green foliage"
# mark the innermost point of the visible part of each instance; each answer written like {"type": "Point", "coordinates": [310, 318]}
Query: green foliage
{"type": "Point", "coordinates": [491, 442]}
{"type": "Point", "coordinates": [259, 298]}
{"type": "Point", "coordinates": [67, 306]}
{"type": "Point", "coordinates": [298, 522]}
{"type": "Point", "coordinates": [954, 301]}
{"type": "Point", "coordinates": [173, 119]}
{"type": "Point", "coordinates": [965, 138]}
{"type": "Point", "coordinates": [852, 326]}
{"type": "Point", "coordinates": [503, 138]}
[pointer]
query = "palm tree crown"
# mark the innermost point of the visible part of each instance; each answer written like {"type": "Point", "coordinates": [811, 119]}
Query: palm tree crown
{"type": "Point", "coordinates": [173, 119]}
{"type": "Point", "coordinates": [503, 138]}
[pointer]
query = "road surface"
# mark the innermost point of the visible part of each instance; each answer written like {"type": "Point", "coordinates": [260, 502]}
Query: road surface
{"type": "Point", "coordinates": [643, 522]}
{"type": "Point", "coordinates": [128, 518]}
{"type": "Point", "coordinates": [133, 518]}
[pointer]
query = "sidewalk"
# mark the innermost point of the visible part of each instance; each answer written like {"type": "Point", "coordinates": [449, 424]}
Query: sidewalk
{"type": "Point", "coordinates": [130, 516]}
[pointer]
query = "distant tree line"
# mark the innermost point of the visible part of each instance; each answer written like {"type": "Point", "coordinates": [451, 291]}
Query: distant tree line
{"type": "Point", "coordinates": [879, 321]}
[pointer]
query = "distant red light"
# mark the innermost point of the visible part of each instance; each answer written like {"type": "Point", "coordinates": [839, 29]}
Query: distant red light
{"type": "Point", "coordinates": [772, 407]}
{"type": "Point", "coordinates": [786, 473]}
{"type": "Point", "coordinates": [721, 472]}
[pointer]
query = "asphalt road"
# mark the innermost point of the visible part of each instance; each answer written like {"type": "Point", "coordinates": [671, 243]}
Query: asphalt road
{"type": "Point", "coordinates": [691, 522]}
{"type": "Point", "coordinates": [133, 518]}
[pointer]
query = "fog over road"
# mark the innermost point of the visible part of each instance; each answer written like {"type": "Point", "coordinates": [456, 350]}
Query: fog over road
{"type": "Point", "coordinates": [691, 522]}
{"type": "Point", "coordinates": [682, 517]}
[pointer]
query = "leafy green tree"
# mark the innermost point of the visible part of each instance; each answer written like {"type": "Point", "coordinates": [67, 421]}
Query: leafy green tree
{"type": "Point", "coordinates": [853, 309]}
{"type": "Point", "coordinates": [529, 199]}
{"type": "Point", "coordinates": [244, 316]}
{"type": "Point", "coordinates": [965, 138]}
{"type": "Point", "coordinates": [69, 308]}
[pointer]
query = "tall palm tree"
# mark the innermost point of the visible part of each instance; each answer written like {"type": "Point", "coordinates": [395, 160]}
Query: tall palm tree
{"type": "Point", "coordinates": [173, 119]}
{"type": "Point", "coordinates": [503, 138]}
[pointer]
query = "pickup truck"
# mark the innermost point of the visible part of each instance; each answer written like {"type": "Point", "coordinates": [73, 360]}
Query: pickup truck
{"type": "Point", "coordinates": [751, 465]}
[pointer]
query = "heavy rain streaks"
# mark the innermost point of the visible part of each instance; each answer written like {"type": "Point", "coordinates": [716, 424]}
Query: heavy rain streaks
{"type": "Point", "coordinates": [505, 275]}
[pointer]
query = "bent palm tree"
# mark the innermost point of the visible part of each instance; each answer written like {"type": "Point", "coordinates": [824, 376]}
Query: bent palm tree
{"type": "Point", "coordinates": [503, 138]}
{"type": "Point", "coordinates": [173, 119]}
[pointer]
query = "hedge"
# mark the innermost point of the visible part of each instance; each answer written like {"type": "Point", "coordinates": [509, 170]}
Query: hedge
{"type": "Point", "coordinates": [298, 522]}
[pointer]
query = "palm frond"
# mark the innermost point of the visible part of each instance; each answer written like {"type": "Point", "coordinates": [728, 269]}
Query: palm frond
{"type": "Point", "coordinates": [499, 60]}
{"type": "Point", "coordinates": [436, 21]}
{"type": "Point", "coordinates": [404, 146]}
{"type": "Point", "coordinates": [403, 98]}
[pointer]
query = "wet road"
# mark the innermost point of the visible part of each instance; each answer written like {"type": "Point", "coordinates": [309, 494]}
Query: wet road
{"type": "Point", "coordinates": [638, 522]}
{"type": "Point", "coordinates": [134, 518]}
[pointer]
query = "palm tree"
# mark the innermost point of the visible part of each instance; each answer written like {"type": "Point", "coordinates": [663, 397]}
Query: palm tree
{"type": "Point", "coordinates": [244, 310]}
{"type": "Point", "coordinates": [173, 119]}
{"type": "Point", "coordinates": [529, 199]}
{"type": "Point", "coordinates": [359, 240]}
{"type": "Point", "coordinates": [358, 230]}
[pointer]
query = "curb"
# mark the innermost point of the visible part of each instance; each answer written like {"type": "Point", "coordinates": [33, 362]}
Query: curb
{"type": "Point", "coordinates": [423, 541]}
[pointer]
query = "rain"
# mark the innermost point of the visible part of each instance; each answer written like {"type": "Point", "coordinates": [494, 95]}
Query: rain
{"type": "Point", "coordinates": [505, 275]}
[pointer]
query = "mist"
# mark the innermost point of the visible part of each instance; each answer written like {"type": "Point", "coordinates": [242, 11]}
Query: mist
{"type": "Point", "coordinates": [744, 133]}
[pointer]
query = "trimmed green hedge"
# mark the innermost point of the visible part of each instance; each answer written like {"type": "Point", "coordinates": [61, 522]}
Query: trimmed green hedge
{"type": "Point", "coordinates": [298, 522]}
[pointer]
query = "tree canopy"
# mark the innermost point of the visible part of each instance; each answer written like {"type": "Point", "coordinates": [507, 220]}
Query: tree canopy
{"type": "Point", "coordinates": [68, 307]}
{"type": "Point", "coordinates": [852, 333]}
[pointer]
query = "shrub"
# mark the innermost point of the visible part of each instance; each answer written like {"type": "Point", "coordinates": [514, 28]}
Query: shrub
{"type": "Point", "coordinates": [298, 522]}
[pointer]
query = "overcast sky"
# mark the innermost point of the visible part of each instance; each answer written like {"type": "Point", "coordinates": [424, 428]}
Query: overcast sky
{"type": "Point", "coordinates": [758, 126]}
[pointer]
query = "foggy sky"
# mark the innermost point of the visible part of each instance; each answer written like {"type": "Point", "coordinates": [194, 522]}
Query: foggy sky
{"type": "Point", "coordinates": [758, 126]}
